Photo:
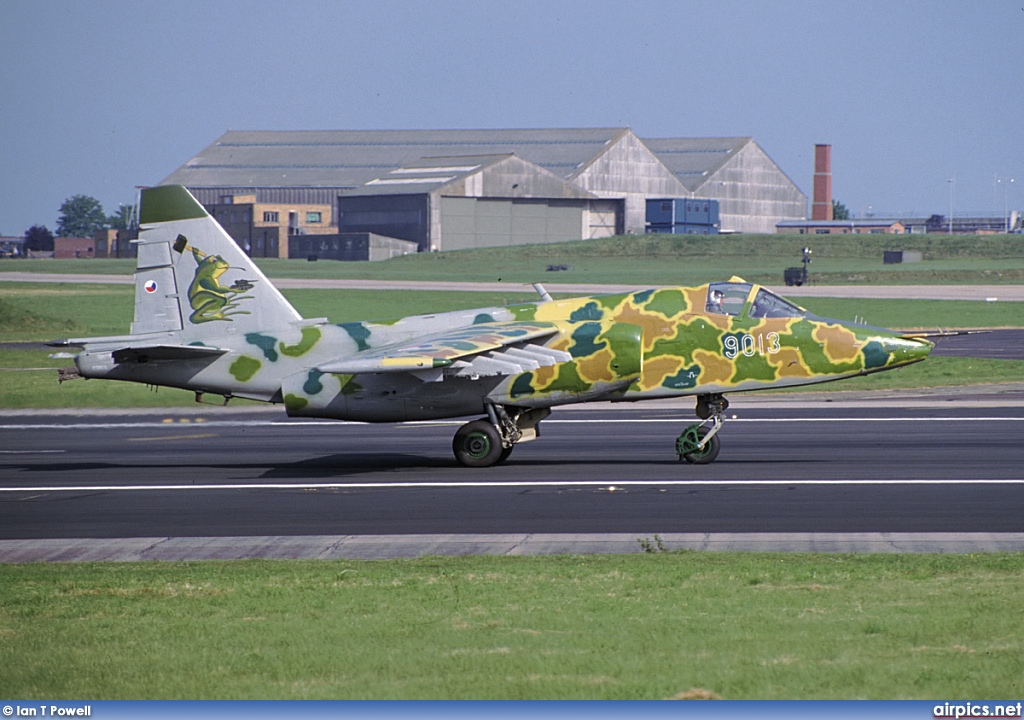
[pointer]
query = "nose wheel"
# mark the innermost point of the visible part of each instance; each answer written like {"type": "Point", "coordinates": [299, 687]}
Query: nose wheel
{"type": "Point", "coordinates": [699, 444]}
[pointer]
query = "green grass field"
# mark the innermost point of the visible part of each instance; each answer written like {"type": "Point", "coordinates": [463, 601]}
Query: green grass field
{"type": "Point", "coordinates": [639, 626]}
{"type": "Point", "coordinates": [644, 626]}
{"type": "Point", "coordinates": [665, 260]}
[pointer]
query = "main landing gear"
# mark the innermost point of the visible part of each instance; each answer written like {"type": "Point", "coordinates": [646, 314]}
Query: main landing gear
{"type": "Point", "coordinates": [490, 440]}
{"type": "Point", "coordinates": [699, 443]}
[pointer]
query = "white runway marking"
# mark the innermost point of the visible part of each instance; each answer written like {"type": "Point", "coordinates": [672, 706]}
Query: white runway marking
{"type": "Point", "coordinates": [493, 484]}
{"type": "Point", "coordinates": [29, 452]}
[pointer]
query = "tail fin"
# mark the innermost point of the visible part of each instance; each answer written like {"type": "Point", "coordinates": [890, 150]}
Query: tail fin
{"type": "Point", "coordinates": [192, 278]}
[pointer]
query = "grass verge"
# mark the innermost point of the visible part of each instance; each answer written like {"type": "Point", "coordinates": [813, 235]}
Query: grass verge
{"type": "Point", "coordinates": [558, 627]}
{"type": "Point", "coordinates": [664, 260]}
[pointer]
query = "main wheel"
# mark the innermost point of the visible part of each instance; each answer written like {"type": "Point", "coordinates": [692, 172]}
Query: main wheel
{"type": "Point", "coordinates": [706, 454]}
{"type": "Point", "coordinates": [478, 444]}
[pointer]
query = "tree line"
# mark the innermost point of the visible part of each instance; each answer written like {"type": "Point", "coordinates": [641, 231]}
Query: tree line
{"type": "Point", "coordinates": [80, 216]}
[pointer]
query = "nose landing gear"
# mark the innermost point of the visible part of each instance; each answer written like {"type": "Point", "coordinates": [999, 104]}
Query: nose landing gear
{"type": "Point", "coordinates": [698, 444]}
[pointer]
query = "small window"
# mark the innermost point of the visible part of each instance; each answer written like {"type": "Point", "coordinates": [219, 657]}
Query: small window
{"type": "Point", "coordinates": [666, 207]}
{"type": "Point", "coordinates": [313, 217]}
{"type": "Point", "coordinates": [270, 216]}
{"type": "Point", "coordinates": [770, 305]}
{"type": "Point", "coordinates": [727, 298]}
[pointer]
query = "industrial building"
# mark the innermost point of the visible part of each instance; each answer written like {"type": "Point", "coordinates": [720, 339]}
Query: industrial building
{"type": "Point", "coordinates": [454, 189]}
{"type": "Point", "coordinates": [682, 216]}
{"type": "Point", "coordinates": [873, 226]}
{"type": "Point", "coordinates": [753, 192]}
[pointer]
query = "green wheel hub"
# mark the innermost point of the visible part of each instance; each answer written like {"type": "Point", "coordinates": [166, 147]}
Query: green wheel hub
{"type": "Point", "coordinates": [478, 445]}
{"type": "Point", "coordinates": [688, 445]}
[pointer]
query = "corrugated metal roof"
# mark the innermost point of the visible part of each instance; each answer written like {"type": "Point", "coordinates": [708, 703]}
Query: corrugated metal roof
{"type": "Point", "coordinates": [694, 159]}
{"type": "Point", "coordinates": [285, 195]}
{"type": "Point", "coordinates": [424, 175]}
{"type": "Point", "coordinates": [331, 158]}
{"type": "Point", "coordinates": [473, 175]}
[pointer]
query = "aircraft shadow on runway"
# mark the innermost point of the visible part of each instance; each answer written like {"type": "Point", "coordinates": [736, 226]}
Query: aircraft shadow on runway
{"type": "Point", "coordinates": [334, 466]}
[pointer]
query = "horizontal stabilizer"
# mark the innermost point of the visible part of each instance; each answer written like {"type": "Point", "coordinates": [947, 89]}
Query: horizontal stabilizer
{"type": "Point", "coordinates": [146, 353]}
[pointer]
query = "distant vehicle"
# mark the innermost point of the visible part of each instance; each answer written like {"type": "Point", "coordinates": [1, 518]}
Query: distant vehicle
{"type": "Point", "coordinates": [795, 275]}
{"type": "Point", "coordinates": [207, 320]}
{"type": "Point", "coordinates": [798, 275]}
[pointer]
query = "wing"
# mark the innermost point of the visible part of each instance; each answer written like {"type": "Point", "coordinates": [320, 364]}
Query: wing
{"type": "Point", "coordinates": [503, 348]}
{"type": "Point", "coordinates": [123, 349]}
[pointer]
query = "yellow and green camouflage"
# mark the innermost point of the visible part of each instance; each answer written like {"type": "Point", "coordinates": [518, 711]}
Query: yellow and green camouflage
{"type": "Point", "coordinates": [631, 346]}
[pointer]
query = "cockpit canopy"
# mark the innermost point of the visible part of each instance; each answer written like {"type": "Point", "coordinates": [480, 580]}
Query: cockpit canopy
{"type": "Point", "coordinates": [729, 298]}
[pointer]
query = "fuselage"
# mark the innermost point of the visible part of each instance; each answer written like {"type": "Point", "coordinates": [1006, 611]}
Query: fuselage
{"type": "Point", "coordinates": [715, 338]}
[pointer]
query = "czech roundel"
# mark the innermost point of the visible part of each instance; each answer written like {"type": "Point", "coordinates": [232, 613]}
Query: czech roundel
{"type": "Point", "coordinates": [150, 286]}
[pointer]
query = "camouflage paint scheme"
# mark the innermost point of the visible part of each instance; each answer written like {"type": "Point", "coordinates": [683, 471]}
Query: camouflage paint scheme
{"type": "Point", "coordinates": [633, 346]}
{"type": "Point", "coordinates": [649, 344]}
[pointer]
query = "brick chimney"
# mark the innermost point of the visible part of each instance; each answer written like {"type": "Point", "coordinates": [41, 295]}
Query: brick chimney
{"type": "Point", "coordinates": [821, 207]}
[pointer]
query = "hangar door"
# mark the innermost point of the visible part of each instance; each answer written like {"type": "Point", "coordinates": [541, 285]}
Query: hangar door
{"type": "Point", "coordinates": [606, 218]}
{"type": "Point", "coordinates": [494, 222]}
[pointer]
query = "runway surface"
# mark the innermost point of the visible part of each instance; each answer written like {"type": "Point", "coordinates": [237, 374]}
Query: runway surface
{"type": "Point", "coordinates": [918, 471]}
{"type": "Point", "coordinates": [943, 474]}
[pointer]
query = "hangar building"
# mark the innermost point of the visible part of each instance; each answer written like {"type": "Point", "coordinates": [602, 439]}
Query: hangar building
{"type": "Point", "coordinates": [453, 189]}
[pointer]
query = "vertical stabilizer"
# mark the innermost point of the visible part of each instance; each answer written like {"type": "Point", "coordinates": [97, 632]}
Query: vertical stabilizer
{"type": "Point", "coordinates": [192, 277]}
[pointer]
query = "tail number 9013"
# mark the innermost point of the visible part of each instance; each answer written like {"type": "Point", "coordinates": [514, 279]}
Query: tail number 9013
{"type": "Point", "coordinates": [750, 345]}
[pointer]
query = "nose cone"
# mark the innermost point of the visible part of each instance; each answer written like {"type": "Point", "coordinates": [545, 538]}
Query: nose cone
{"type": "Point", "coordinates": [889, 351]}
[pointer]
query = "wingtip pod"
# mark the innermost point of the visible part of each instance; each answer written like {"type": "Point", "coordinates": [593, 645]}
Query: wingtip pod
{"type": "Point", "coordinates": [166, 203]}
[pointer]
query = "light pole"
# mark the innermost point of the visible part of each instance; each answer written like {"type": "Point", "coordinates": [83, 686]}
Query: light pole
{"type": "Point", "coordinates": [952, 190]}
{"type": "Point", "coordinates": [1006, 208]}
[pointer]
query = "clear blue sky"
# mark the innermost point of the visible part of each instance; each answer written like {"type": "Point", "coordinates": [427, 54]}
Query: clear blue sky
{"type": "Point", "coordinates": [98, 97]}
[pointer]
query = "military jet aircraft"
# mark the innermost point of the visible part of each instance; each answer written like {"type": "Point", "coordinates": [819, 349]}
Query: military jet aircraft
{"type": "Point", "coordinates": [207, 320]}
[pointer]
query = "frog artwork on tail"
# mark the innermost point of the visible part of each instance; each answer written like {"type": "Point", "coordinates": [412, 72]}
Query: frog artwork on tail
{"type": "Point", "coordinates": [209, 299]}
